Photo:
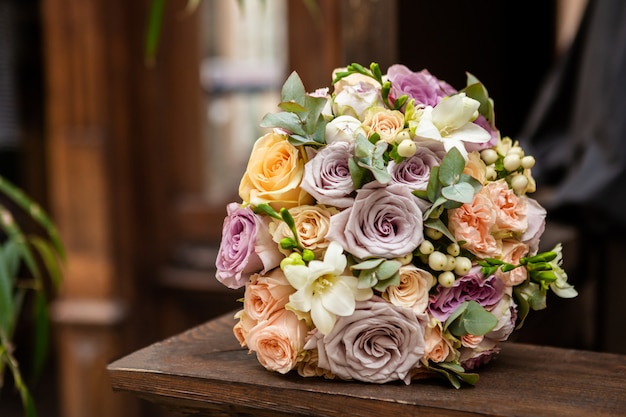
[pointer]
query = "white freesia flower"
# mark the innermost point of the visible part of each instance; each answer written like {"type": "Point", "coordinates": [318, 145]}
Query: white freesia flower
{"type": "Point", "coordinates": [450, 122]}
{"type": "Point", "coordinates": [561, 287]}
{"type": "Point", "coordinates": [323, 290]}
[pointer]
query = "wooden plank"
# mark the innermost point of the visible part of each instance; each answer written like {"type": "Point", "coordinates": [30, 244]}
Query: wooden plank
{"type": "Point", "coordinates": [204, 370]}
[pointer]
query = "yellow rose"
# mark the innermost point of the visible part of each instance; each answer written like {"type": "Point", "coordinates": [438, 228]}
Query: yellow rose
{"type": "Point", "coordinates": [387, 123]}
{"type": "Point", "coordinates": [274, 174]}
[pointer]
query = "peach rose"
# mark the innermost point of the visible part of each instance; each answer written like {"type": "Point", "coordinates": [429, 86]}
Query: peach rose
{"type": "Point", "coordinates": [472, 223]}
{"type": "Point", "coordinates": [274, 174]}
{"type": "Point", "coordinates": [510, 209]}
{"type": "Point", "coordinates": [278, 341]}
{"type": "Point", "coordinates": [512, 252]}
{"type": "Point", "coordinates": [243, 326]}
{"type": "Point", "coordinates": [475, 167]}
{"type": "Point", "coordinates": [412, 291]}
{"type": "Point", "coordinates": [266, 294]}
{"type": "Point", "coordinates": [387, 123]}
{"type": "Point", "coordinates": [312, 225]}
{"type": "Point", "coordinates": [438, 348]}
{"type": "Point", "coordinates": [471, 341]}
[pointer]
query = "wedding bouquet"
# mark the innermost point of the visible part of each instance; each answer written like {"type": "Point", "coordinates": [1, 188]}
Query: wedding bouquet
{"type": "Point", "coordinates": [385, 231]}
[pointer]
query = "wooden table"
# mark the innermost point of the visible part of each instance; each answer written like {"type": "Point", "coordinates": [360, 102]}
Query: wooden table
{"type": "Point", "coordinates": [204, 372]}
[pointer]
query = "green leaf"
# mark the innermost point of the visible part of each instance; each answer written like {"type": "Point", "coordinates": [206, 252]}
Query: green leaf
{"type": "Point", "coordinates": [367, 264]}
{"type": "Point", "coordinates": [358, 174]}
{"type": "Point", "coordinates": [461, 192]}
{"type": "Point", "coordinates": [476, 185]}
{"type": "Point", "coordinates": [41, 334]}
{"type": "Point", "coordinates": [7, 311]}
{"type": "Point", "coordinates": [476, 90]}
{"type": "Point", "coordinates": [433, 187]}
{"type": "Point", "coordinates": [153, 30]}
{"type": "Point", "coordinates": [451, 167]}
{"type": "Point", "coordinates": [438, 224]}
{"type": "Point", "coordinates": [291, 106]}
{"type": "Point", "coordinates": [382, 284]}
{"type": "Point", "coordinates": [470, 318]}
{"type": "Point", "coordinates": [284, 120]}
{"type": "Point", "coordinates": [293, 90]}
{"type": "Point", "coordinates": [265, 208]}
{"type": "Point", "coordinates": [50, 260]}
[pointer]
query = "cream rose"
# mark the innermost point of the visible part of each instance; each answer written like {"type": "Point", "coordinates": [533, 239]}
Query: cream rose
{"type": "Point", "coordinates": [387, 123]}
{"type": "Point", "coordinates": [472, 223]}
{"type": "Point", "coordinates": [274, 173]}
{"type": "Point", "coordinates": [312, 225]}
{"type": "Point", "coordinates": [412, 291]}
{"type": "Point", "coordinates": [278, 341]}
{"type": "Point", "coordinates": [265, 295]}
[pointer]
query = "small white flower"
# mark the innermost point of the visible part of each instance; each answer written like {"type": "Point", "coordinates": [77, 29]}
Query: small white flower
{"type": "Point", "coordinates": [561, 287]}
{"type": "Point", "coordinates": [323, 290]}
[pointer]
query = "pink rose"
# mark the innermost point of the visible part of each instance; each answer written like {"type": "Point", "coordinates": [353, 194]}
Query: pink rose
{"type": "Point", "coordinates": [384, 222]}
{"type": "Point", "coordinates": [278, 340]}
{"type": "Point", "coordinates": [510, 209]}
{"type": "Point", "coordinates": [265, 295]}
{"type": "Point", "coordinates": [378, 343]}
{"type": "Point", "coordinates": [246, 247]}
{"type": "Point", "coordinates": [472, 223]}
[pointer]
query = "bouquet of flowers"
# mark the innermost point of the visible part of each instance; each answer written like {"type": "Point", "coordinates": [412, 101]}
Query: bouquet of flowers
{"type": "Point", "coordinates": [385, 231]}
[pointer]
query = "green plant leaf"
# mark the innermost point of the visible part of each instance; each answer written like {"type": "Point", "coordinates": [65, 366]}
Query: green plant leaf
{"type": "Point", "coordinates": [293, 89]}
{"type": "Point", "coordinates": [41, 343]}
{"type": "Point", "coordinates": [438, 224]}
{"type": "Point", "coordinates": [451, 167]}
{"type": "Point", "coordinates": [291, 106]}
{"type": "Point", "coordinates": [461, 192]}
{"type": "Point", "coordinates": [284, 120]}
{"type": "Point", "coordinates": [49, 258]}
{"type": "Point", "coordinates": [7, 310]}
{"type": "Point", "coordinates": [470, 318]}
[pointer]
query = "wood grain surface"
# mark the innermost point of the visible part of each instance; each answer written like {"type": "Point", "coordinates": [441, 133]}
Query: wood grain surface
{"type": "Point", "coordinates": [203, 371]}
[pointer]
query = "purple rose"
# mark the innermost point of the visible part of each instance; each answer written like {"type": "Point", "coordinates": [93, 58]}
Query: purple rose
{"type": "Point", "coordinates": [414, 172]}
{"type": "Point", "coordinates": [536, 217]}
{"type": "Point", "coordinates": [425, 88]}
{"type": "Point", "coordinates": [246, 247]}
{"type": "Point", "coordinates": [378, 343]}
{"type": "Point", "coordinates": [383, 222]}
{"type": "Point", "coordinates": [327, 176]}
{"type": "Point", "coordinates": [474, 286]}
{"type": "Point", "coordinates": [471, 359]}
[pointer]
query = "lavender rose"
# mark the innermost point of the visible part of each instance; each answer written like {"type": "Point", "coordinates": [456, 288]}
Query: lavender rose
{"type": "Point", "coordinates": [246, 247]}
{"type": "Point", "coordinates": [383, 222]}
{"type": "Point", "coordinates": [327, 176]}
{"type": "Point", "coordinates": [414, 172]}
{"type": "Point", "coordinates": [425, 88]}
{"type": "Point", "coordinates": [378, 343]}
{"type": "Point", "coordinates": [474, 286]}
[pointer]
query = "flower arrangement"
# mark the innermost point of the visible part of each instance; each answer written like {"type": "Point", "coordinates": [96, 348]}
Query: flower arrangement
{"type": "Point", "coordinates": [385, 231]}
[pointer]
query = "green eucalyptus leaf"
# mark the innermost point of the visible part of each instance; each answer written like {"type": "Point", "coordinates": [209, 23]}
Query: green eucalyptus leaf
{"type": "Point", "coordinates": [437, 224]}
{"type": "Point", "coordinates": [451, 167]}
{"type": "Point", "coordinates": [468, 179]}
{"type": "Point", "coordinates": [358, 174]}
{"type": "Point", "coordinates": [476, 90]}
{"type": "Point", "coordinates": [434, 186]}
{"type": "Point", "coordinates": [292, 107]}
{"type": "Point", "coordinates": [367, 279]}
{"type": "Point", "coordinates": [368, 264]}
{"type": "Point", "coordinates": [470, 318]}
{"type": "Point", "coordinates": [461, 192]}
{"type": "Point", "coordinates": [387, 269]}
{"type": "Point", "coordinates": [293, 89]}
{"type": "Point", "coordinates": [284, 120]}
{"type": "Point", "coordinates": [382, 285]}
